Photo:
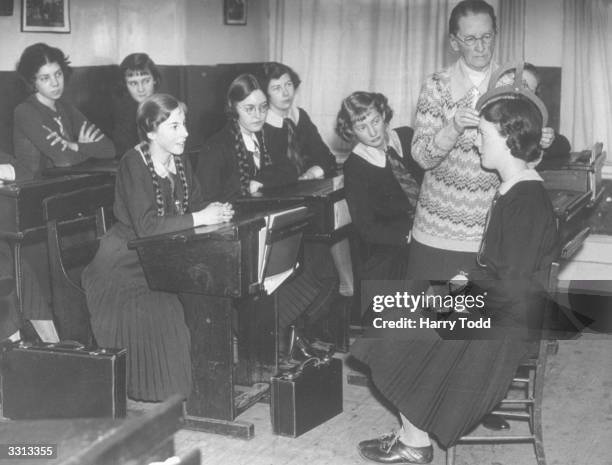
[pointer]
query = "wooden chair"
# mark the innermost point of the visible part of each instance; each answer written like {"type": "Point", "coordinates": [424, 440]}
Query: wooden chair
{"type": "Point", "coordinates": [75, 223]}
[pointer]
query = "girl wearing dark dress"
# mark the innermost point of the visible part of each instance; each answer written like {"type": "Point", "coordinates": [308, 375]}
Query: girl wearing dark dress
{"type": "Point", "coordinates": [444, 388]}
{"type": "Point", "coordinates": [291, 135]}
{"type": "Point", "coordinates": [236, 162]}
{"type": "Point", "coordinates": [139, 79]}
{"type": "Point", "coordinates": [155, 193]}
{"type": "Point", "coordinates": [48, 131]}
{"type": "Point", "coordinates": [381, 183]}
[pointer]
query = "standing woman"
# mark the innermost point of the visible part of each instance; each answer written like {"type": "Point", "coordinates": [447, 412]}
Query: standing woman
{"type": "Point", "coordinates": [48, 131]}
{"type": "Point", "coordinates": [155, 193]}
{"type": "Point", "coordinates": [139, 79]}
{"type": "Point", "coordinates": [235, 162]}
{"type": "Point", "coordinates": [381, 182]}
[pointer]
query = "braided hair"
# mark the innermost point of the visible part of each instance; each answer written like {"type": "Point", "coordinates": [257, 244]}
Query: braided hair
{"type": "Point", "coordinates": [151, 113]}
{"type": "Point", "coordinates": [240, 89]}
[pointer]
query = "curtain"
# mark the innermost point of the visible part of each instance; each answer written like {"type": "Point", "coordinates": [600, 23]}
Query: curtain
{"type": "Point", "coordinates": [340, 46]}
{"type": "Point", "coordinates": [586, 87]}
{"type": "Point", "coordinates": [511, 29]}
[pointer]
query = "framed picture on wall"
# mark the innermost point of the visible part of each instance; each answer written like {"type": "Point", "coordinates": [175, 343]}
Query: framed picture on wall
{"type": "Point", "coordinates": [235, 12]}
{"type": "Point", "coordinates": [45, 16]}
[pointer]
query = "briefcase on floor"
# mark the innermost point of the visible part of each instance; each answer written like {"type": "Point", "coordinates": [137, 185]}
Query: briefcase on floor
{"type": "Point", "coordinates": [62, 381]}
{"type": "Point", "coordinates": [305, 397]}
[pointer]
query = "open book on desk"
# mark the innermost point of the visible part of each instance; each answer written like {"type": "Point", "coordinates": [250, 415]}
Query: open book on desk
{"type": "Point", "coordinates": [279, 245]}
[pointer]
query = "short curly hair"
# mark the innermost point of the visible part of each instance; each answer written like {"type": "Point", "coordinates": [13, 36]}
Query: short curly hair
{"type": "Point", "coordinates": [355, 107]}
{"type": "Point", "coordinates": [35, 57]}
{"type": "Point", "coordinates": [520, 121]}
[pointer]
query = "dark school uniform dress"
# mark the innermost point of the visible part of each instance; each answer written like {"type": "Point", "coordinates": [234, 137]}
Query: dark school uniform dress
{"type": "Point", "coordinates": [219, 174]}
{"type": "Point", "coordinates": [125, 132]}
{"type": "Point", "coordinates": [308, 144]}
{"type": "Point", "coordinates": [124, 311]}
{"type": "Point", "coordinates": [34, 150]}
{"type": "Point", "coordinates": [445, 387]}
{"type": "Point", "coordinates": [380, 210]}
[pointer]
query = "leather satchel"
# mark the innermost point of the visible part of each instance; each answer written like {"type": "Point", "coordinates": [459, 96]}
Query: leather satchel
{"type": "Point", "coordinates": [306, 396]}
{"type": "Point", "coordinates": [63, 380]}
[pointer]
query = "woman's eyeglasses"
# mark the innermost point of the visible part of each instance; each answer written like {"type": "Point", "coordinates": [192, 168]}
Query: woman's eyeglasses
{"type": "Point", "coordinates": [470, 41]}
{"type": "Point", "coordinates": [250, 109]}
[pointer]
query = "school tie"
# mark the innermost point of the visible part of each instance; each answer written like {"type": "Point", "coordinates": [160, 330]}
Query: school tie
{"type": "Point", "coordinates": [293, 152]}
{"type": "Point", "coordinates": [256, 154]}
{"type": "Point", "coordinates": [403, 176]}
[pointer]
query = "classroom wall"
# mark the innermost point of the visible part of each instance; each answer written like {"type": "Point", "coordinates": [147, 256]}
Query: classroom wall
{"type": "Point", "coordinates": [544, 32]}
{"type": "Point", "coordinates": [173, 32]}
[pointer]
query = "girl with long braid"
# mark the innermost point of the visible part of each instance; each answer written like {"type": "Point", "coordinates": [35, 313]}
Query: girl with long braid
{"type": "Point", "coordinates": [155, 193]}
{"type": "Point", "coordinates": [235, 161]}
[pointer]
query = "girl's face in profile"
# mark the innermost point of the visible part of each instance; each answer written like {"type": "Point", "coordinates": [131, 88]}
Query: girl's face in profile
{"type": "Point", "coordinates": [49, 82]}
{"type": "Point", "coordinates": [252, 111]}
{"type": "Point", "coordinates": [171, 135]}
{"type": "Point", "coordinates": [140, 84]}
{"type": "Point", "coordinates": [371, 130]}
{"type": "Point", "coordinates": [491, 145]}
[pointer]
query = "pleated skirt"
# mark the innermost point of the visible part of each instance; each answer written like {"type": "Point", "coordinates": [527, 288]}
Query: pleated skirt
{"type": "Point", "coordinates": [443, 387]}
{"type": "Point", "coordinates": [150, 325]}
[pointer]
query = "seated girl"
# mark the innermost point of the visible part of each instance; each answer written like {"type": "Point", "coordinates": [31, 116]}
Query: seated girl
{"type": "Point", "coordinates": [155, 193]}
{"type": "Point", "coordinates": [444, 387]}
{"type": "Point", "coordinates": [139, 79]}
{"type": "Point", "coordinates": [289, 130]}
{"type": "Point", "coordinates": [381, 182]}
{"type": "Point", "coordinates": [48, 131]}
{"type": "Point", "coordinates": [235, 161]}
{"type": "Point", "coordinates": [291, 135]}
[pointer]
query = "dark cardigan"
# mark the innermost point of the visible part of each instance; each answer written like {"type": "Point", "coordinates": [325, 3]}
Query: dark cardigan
{"type": "Point", "coordinates": [219, 175]}
{"type": "Point", "coordinates": [311, 148]}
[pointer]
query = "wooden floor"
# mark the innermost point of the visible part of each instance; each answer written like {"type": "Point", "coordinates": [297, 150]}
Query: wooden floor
{"type": "Point", "coordinates": [577, 423]}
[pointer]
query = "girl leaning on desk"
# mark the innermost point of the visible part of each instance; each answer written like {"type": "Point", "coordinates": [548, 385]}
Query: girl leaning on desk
{"type": "Point", "coordinates": [49, 131]}
{"type": "Point", "coordinates": [235, 162]}
{"type": "Point", "coordinates": [155, 193]}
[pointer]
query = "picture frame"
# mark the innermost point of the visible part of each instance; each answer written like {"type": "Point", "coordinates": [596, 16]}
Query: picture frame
{"type": "Point", "coordinates": [45, 16]}
{"type": "Point", "coordinates": [235, 12]}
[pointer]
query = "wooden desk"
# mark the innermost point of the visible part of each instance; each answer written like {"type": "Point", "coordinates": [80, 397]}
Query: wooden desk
{"type": "Point", "coordinates": [91, 166]}
{"type": "Point", "coordinates": [215, 268]}
{"type": "Point", "coordinates": [138, 440]}
{"type": "Point", "coordinates": [21, 212]}
{"type": "Point", "coordinates": [323, 197]}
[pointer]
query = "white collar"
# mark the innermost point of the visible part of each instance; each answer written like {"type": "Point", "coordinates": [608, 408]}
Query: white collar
{"type": "Point", "coordinates": [376, 156]}
{"type": "Point", "coordinates": [161, 169]}
{"type": "Point", "coordinates": [526, 175]}
{"type": "Point", "coordinates": [276, 120]}
{"type": "Point", "coordinates": [461, 82]}
{"type": "Point", "coordinates": [250, 141]}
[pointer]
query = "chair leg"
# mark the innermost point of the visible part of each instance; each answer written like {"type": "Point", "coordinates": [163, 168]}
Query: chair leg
{"type": "Point", "coordinates": [450, 456]}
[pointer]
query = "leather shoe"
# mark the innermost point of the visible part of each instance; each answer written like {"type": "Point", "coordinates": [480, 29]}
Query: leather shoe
{"type": "Point", "coordinates": [495, 422]}
{"type": "Point", "coordinates": [388, 449]}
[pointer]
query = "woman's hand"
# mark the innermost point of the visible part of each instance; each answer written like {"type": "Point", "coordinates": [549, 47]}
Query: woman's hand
{"type": "Point", "coordinates": [314, 172]}
{"type": "Point", "coordinates": [465, 118]}
{"type": "Point", "coordinates": [89, 134]}
{"type": "Point", "coordinates": [54, 138]}
{"type": "Point", "coordinates": [254, 186]}
{"type": "Point", "coordinates": [214, 213]}
{"type": "Point", "coordinates": [548, 136]}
